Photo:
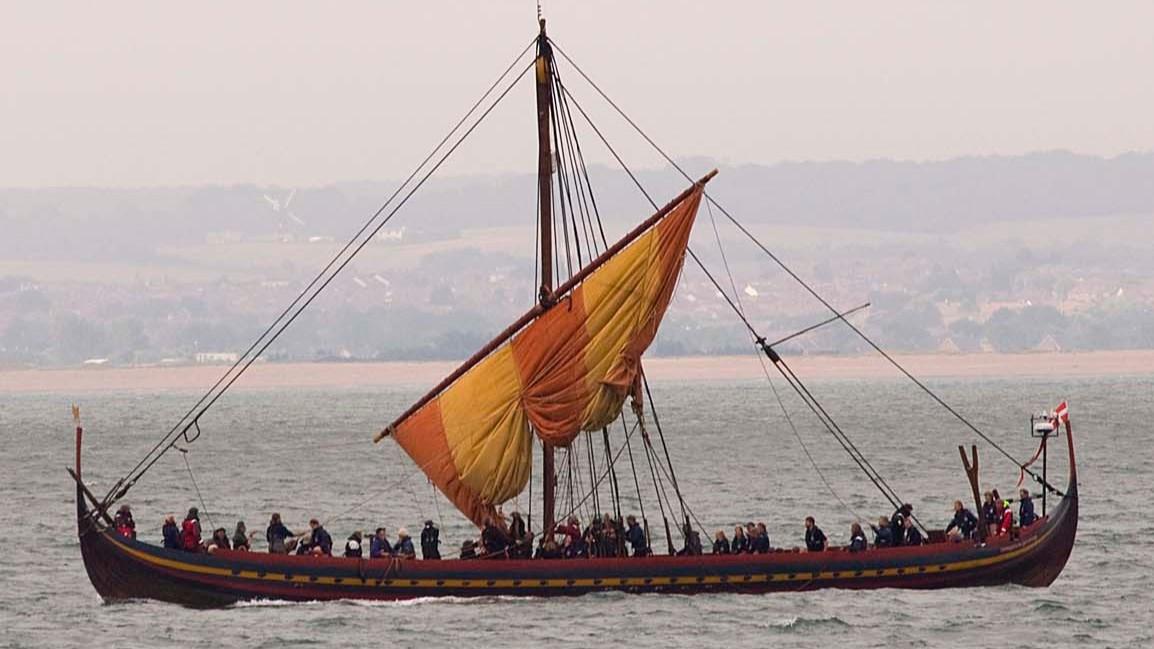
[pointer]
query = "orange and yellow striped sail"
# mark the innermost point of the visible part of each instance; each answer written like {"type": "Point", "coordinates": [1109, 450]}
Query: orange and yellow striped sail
{"type": "Point", "coordinates": [568, 370]}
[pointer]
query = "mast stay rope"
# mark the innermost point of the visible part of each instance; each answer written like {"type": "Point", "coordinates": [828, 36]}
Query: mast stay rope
{"type": "Point", "coordinates": [769, 379]}
{"type": "Point", "coordinates": [831, 426]}
{"type": "Point", "coordinates": [813, 292]}
{"type": "Point", "coordinates": [320, 281]}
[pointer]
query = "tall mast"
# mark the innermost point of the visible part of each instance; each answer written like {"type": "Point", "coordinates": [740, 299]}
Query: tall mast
{"type": "Point", "coordinates": [545, 210]}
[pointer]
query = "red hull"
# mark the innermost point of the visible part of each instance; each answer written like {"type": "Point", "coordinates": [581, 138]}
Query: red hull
{"type": "Point", "coordinates": [123, 569]}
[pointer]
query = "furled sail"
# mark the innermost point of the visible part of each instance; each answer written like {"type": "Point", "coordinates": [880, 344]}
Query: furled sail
{"type": "Point", "coordinates": [567, 368]}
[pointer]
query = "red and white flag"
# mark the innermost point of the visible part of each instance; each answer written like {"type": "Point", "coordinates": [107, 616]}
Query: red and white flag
{"type": "Point", "coordinates": [1062, 413]}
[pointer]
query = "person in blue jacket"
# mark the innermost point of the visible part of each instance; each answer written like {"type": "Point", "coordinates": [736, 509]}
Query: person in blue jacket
{"type": "Point", "coordinates": [964, 522]}
{"type": "Point", "coordinates": [171, 533]}
{"type": "Point", "coordinates": [636, 537]}
{"type": "Point", "coordinates": [379, 546]}
{"type": "Point", "coordinates": [883, 533]}
{"type": "Point", "coordinates": [404, 548]}
{"type": "Point", "coordinates": [1026, 515]}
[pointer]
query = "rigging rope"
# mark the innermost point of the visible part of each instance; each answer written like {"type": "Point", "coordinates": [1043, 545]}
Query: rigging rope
{"type": "Point", "coordinates": [636, 482]}
{"type": "Point", "coordinates": [664, 447]}
{"type": "Point", "coordinates": [769, 378]}
{"type": "Point", "coordinates": [758, 338]}
{"type": "Point", "coordinates": [280, 324]}
{"type": "Point", "coordinates": [813, 292]}
{"type": "Point", "coordinates": [616, 455]}
{"type": "Point", "coordinates": [199, 497]}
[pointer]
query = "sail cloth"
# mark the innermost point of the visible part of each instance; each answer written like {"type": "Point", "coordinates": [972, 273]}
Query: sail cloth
{"type": "Point", "coordinates": [567, 371]}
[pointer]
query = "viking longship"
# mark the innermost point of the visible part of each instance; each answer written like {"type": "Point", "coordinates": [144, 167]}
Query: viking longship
{"type": "Point", "coordinates": [568, 371]}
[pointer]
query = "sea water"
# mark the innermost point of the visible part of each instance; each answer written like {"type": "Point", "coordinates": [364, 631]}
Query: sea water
{"type": "Point", "coordinates": [308, 454]}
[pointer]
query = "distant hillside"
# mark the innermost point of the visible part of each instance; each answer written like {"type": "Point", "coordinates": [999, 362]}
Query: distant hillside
{"type": "Point", "coordinates": [940, 197]}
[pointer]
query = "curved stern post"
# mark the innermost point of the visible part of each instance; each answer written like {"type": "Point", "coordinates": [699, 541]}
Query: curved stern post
{"type": "Point", "coordinates": [81, 506]}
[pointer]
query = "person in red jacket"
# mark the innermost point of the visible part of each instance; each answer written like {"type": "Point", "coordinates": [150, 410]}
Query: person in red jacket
{"type": "Point", "coordinates": [190, 531]}
{"type": "Point", "coordinates": [571, 528]}
{"type": "Point", "coordinates": [124, 523]}
{"type": "Point", "coordinates": [1007, 519]}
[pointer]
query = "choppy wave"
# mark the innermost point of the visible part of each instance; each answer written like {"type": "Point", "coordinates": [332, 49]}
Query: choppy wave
{"type": "Point", "coordinates": [1050, 606]}
{"type": "Point", "coordinates": [800, 624]}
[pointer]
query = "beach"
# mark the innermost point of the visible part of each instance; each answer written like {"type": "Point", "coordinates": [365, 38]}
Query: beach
{"type": "Point", "coordinates": [266, 376]}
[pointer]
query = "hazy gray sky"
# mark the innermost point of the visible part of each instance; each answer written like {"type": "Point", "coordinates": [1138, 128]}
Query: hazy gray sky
{"type": "Point", "coordinates": [150, 93]}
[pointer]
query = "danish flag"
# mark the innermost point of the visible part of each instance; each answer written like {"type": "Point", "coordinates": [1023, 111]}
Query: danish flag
{"type": "Point", "coordinates": [1062, 413]}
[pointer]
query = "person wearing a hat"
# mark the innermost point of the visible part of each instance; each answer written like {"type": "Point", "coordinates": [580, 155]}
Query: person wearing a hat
{"type": "Point", "coordinates": [124, 523]}
{"type": "Point", "coordinates": [430, 540]}
{"type": "Point", "coordinates": [353, 546]}
{"type": "Point", "coordinates": [1007, 518]}
{"type": "Point", "coordinates": [404, 548]}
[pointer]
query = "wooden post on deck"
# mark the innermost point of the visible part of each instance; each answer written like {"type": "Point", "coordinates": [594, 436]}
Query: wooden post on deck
{"type": "Point", "coordinates": [972, 473]}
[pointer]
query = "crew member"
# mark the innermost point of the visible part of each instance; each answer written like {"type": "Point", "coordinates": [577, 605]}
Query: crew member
{"type": "Point", "coordinates": [636, 537]}
{"type": "Point", "coordinates": [857, 539]}
{"type": "Point", "coordinates": [1026, 515]}
{"type": "Point", "coordinates": [912, 535]}
{"type": "Point", "coordinates": [990, 513]}
{"type": "Point", "coordinates": [720, 543]}
{"type": "Point", "coordinates": [692, 542]}
{"type": "Point", "coordinates": [1007, 519]}
{"type": "Point", "coordinates": [815, 540]}
{"type": "Point", "coordinates": [171, 533]}
{"type": "Point", "coordinates": [379, 546]}
{"type": "Point", "coordinates": [278, 536]}
{"type": "Point", "coordinates": [190, 531]}
{"type": "Point", "coordinates": [740, 543]}
{"type": "Point", "coordinates": [520, 543]}
{"type": "Point", "coordinates": [353, 546]}
{"type": "Point", "coordinates": [320, 542]}
{"type": "Point", "coordinates": [898, 522]}
{"type": "Point", "coordinates": [760, 542]}
{"type": "Point", "coordinates": [404, 548]}
{"type": "Point", "coordinates": [124, 523]}
{"type": "Point", "coordinates": [883, 533]}
{"type": "Point", "coordinates": [219, 540]}
{"type": "Point", "coordinates": [240, 538]}
{"type": "Point", "coordinates": [964, 522]}
{"type": "Point", "coordinates": [494, 539]}
{"type": "Point", "coordinates": [430, 541]}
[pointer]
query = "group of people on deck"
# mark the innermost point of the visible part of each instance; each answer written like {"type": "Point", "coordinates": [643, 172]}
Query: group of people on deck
{"type": "Point", "coordinates": [998, 515]}
{"type": "Point", "coordinates": [281, 540]}
{"type": "Point", "coordinates": [318, 541]}
{"type": "Point", "coordinates": [605, 536]}
{"type": "Point", "coordinates": [750, 539]}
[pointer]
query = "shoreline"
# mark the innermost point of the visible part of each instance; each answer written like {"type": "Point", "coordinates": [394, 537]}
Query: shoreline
{"type": "Point", "coordinates": [266, 376]}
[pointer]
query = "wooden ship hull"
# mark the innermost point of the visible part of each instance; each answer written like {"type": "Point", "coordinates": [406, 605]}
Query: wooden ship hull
{"type": "Point", "coordinates": [125, 569]}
